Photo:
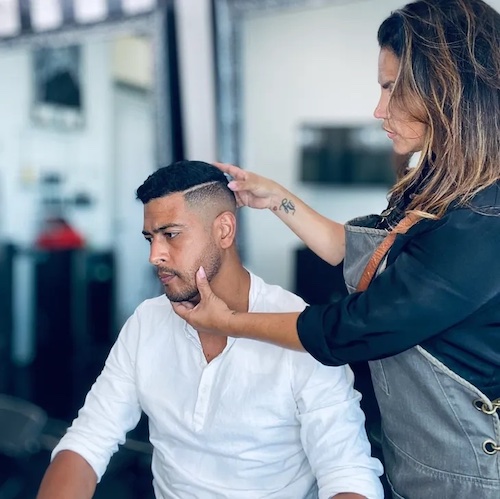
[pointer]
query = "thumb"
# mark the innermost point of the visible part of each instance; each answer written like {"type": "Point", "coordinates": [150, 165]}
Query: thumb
{"type": "Point", "coordinates": [202, 284]}
{"type": "Point", "coordinates": [181, 309]}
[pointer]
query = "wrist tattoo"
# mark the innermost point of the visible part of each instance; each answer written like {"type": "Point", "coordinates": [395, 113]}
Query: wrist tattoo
{"type": "Point", "coordinates": [288, 206]}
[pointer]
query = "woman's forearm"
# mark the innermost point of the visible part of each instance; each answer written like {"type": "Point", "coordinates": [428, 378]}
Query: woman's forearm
{"type": "Point", "coordinates": [279, 329]}
{"type": "Point", "coordinates": [322, 235]}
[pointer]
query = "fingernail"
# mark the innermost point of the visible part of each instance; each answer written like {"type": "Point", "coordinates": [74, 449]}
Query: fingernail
{"type": "Point", "coordinates": [231, 184]}
{"type": "Point", "coordinates": [201, 273]}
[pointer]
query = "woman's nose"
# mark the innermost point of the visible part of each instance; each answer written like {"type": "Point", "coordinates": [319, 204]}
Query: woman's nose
{"type": "Point", "coordinates": [380, 111]}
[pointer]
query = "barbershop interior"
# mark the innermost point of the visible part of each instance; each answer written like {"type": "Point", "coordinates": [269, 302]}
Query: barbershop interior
{"type": "Point", "coordinates": [96, 95]}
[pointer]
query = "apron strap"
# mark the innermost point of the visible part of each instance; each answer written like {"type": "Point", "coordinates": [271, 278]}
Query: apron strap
{"type": "Point", "coordinates": [371, 267]}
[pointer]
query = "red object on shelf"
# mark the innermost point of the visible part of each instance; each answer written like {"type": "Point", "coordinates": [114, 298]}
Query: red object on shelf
{"type": "Point", "coordinates": [59, 235]}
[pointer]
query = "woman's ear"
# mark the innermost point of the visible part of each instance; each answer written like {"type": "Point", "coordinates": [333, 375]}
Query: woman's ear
{"type": "Point", "coordinates": [226, 229]}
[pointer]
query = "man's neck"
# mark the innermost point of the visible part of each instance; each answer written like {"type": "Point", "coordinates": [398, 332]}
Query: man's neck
{"type": "Point", "coordinates": [232, 285]}
{"type": "Point", "coordinates": [212, 345]}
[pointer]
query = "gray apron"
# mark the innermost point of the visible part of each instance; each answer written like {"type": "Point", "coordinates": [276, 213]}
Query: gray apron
{"type": "Point", "coordinates": [440, 434]}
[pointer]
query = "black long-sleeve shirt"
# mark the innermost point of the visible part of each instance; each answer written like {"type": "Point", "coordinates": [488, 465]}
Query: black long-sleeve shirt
{"type": "Point", "coordinates": [440, 290]}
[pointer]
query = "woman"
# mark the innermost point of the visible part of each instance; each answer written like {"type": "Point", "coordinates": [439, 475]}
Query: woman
{"type": "Point", "coordinates": [424, 306]}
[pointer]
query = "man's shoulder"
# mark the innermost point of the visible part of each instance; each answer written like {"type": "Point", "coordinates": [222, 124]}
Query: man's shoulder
{"type": "Point", "coordinates": [265, 297]}
{"type": "Point", "coordinates": [154, 310]}
{"type": "Point", "coordinates": [150, 320]}
{"type": "Point", "coordinates": [153, 304]}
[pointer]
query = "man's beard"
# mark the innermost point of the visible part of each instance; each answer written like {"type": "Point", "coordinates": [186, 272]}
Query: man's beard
{"type": "Point", "coordinates": [190, 292]}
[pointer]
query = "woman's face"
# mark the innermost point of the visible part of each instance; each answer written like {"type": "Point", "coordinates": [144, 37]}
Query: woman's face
{"type": "Point", "coordinates": [407, 135]}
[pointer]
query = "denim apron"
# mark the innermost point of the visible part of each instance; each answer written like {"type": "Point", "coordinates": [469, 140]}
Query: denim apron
{"type": "Point", "coordinates": [440, 434]}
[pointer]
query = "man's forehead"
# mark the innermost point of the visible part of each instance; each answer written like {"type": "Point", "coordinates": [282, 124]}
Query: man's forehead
{"type": "Point", "coordinates": [170, 210]}
{"type": "Point", "coordinates": [169, 206]}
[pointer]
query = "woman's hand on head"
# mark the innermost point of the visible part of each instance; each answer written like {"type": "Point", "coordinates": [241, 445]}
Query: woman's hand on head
{"type": "Point", "coordinates": [210, 315]}
{"type": "Point", "coordinates": [251, 189]}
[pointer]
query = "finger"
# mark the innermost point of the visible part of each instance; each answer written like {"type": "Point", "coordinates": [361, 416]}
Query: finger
{"type": "Point", "coordinates": [240, 185]}
{"type": "Point", "coordinates": [222, 166]}
{"type": "Point", "coordinates": [239, 200]}
{"type": "Point", "coordinates": [187, 304]}
{"type": "Point", "coordinates": [234, 171]}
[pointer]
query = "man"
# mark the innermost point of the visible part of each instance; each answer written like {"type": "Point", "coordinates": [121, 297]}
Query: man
{"type": "Point", "coordinates": [228, 418]}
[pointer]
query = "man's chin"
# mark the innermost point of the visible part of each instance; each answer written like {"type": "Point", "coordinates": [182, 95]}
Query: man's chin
{"type": "Point", "coordinates": [193, 299]}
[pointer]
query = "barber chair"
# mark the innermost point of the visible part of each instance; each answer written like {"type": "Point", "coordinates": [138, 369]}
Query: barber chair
{"type": "Point", "coordinates": [21, 426]}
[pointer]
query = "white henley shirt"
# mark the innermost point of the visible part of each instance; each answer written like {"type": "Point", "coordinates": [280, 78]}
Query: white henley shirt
{"type": "Point", "coordinates": [258, 421]}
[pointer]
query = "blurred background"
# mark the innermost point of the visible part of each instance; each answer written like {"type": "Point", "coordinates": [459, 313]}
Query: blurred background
{"type": "Point", "coordinates": [97, 94]}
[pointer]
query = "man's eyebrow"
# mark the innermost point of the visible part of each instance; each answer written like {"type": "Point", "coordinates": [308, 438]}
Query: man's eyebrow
{"type": "Point", "coordinates": [162, 228]}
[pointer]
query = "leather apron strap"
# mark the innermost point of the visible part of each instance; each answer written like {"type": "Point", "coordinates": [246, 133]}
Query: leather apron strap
{"type": "Point", "coordinates": [371, 267]}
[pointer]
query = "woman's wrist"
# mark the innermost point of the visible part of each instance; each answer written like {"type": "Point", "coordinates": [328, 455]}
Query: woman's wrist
{"type": "Point", "coordinates": [281, 200]}
{"type": "Point", "coordinates": [230, 327]}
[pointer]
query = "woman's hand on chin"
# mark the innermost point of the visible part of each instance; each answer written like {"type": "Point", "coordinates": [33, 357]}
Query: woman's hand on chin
{"type": "Point", "coordinates": [210, 315]}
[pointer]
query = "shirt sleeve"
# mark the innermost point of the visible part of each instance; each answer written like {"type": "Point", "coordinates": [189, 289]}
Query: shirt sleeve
{"type": "Point", "coordinates": [111, 407]}
{"type": "Point", "coordinates": [443, 274]}
{"type": "Point", "coordinates": [332, 429]}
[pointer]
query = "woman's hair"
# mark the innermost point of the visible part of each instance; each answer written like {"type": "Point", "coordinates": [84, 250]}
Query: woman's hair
{"type": "Point", "coordinates": [449, 79]}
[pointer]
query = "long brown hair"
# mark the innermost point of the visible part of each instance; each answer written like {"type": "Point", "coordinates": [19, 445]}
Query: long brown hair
{"type": "Point", "coordinates": [449, 79]}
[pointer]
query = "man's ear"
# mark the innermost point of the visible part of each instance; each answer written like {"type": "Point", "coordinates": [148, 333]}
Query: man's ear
{"type": "Point", "coordinates": [225, 226]}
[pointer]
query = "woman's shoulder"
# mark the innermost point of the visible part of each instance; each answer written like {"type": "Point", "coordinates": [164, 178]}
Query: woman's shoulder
{"type": "Point", "coordinates": [483, 209]}
{"type": "Point", "coordinates": [467, 227]}
{"type": "Point", "coordinates": [486, 201]}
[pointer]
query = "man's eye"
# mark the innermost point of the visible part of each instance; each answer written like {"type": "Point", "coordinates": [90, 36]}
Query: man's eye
{"type": "Point", "coordinates": [148, 240]}
{"type": "Point", "coordinates": [171, 235]}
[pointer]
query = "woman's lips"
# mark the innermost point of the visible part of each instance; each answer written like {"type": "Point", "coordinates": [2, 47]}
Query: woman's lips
{"type": "Point", "coordinates": [390, 134]}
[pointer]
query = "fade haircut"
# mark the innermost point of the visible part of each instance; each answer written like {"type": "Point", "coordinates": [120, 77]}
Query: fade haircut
{"type": "Point", "coordinates": [201, 184]}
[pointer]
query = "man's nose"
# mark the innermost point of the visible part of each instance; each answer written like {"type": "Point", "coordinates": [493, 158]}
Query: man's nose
{"type": "Point", "coordinates": [157, 254]}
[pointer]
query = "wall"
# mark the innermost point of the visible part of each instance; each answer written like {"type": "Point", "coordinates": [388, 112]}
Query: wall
{"type": "Point", "coordinates": [133, 61]}
{"type": "Point", "coordinates": [82, 156]}
{"type": "Point", "coordinates": [196, 70]}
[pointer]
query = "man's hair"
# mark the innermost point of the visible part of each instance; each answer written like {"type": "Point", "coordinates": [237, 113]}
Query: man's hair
{"type": "Point", "coordinates": [449, 79]}
{"type": "Point", "coordinates": [199, 182]}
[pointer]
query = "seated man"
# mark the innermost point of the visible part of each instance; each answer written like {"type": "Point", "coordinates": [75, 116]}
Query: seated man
{"type": "Point", "coordinates": [228, 418]}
